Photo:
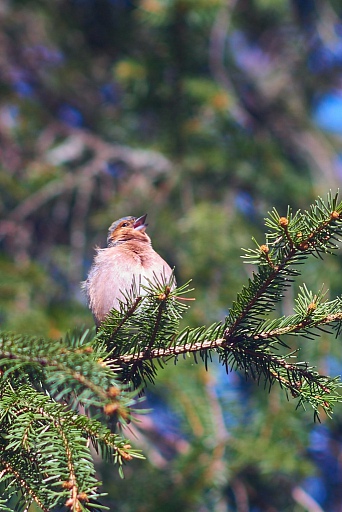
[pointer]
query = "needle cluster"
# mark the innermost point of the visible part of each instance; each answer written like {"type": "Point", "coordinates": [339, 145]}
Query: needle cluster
{"type": "Point", "coordinates": [59, 398]}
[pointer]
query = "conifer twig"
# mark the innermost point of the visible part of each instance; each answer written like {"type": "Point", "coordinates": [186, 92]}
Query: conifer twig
{"type": "Point", "coordinates": [246, 339]}
{"type": "Point", "coordinates": [179, 349]}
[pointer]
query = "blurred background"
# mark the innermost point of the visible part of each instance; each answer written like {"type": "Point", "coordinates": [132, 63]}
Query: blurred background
{"type": "Point", "coordinates": [204, 114]}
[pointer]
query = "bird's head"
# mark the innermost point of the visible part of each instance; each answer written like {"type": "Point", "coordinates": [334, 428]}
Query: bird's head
{"type": "Point", "coordinates": [128, 228]}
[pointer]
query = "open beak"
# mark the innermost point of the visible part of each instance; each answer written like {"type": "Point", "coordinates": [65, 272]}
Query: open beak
{"type": "Point", "coordinates": [139, 224]}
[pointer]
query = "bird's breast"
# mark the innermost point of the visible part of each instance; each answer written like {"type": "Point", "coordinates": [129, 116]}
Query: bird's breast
{"type": "Point", "coordinates": [116, 270]}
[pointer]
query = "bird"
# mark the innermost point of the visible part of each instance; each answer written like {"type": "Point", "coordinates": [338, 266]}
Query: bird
{"type": "Point", "coordinates": [128, 258]}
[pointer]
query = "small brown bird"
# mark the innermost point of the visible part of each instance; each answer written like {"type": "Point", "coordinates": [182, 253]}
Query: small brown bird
{"type": "Point", "coordinates": [128, 257]}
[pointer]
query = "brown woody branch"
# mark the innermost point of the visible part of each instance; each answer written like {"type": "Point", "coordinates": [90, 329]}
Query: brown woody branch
{"type": "Point", "coordinates": [224, 342]}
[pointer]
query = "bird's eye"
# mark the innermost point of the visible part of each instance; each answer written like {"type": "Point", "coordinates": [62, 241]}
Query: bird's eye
{"type": "Point", "coordinates": [124, 225]}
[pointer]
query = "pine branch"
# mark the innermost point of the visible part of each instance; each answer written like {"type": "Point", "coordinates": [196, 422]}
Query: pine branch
{"type": "Point", "coordinates": [292, 239]}
{"type": "Point", "coordinates": [153, 324]}
{"type": "Point", "coordinates": [34, 426]}
{"type": "Point", "coordinates": [44, 453]}
{"type": "Point", "coordinates": [16, 471]}
{"type": "Point", "coordinates": [74, 367]}
{"type": "Point", "coordinates": [254, 358]}
{"type": "Point", "coordinates": [204, 344]}
{"type": "Point", "coordinates": [43, 438]}
{"type": "Point", "coordinates": [246, 340]}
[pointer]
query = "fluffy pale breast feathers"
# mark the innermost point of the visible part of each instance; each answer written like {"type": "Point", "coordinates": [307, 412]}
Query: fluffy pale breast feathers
{"type": "Point", "coordinates": [113, 271]}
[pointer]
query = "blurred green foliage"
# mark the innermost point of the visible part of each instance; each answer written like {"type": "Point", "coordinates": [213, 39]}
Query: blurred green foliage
{"type": "Point", "coordinates": [199, 113]}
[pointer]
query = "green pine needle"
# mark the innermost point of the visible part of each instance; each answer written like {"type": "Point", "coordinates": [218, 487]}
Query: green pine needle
{"type": "Point", "coordinates": [56, 398]}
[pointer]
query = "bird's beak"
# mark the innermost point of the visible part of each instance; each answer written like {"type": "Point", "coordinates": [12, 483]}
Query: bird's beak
{"type": "Point", "coordinates": [139, 224]}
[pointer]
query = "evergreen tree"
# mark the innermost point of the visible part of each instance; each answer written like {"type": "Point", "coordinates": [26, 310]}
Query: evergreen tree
{"type": "Point", "coordinates": [204, 115]}
{"type": "Point", "coordinates": [60, 398]}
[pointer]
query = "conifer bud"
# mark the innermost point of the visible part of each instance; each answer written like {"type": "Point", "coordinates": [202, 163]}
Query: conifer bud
{"type": "Point", "coordinates": [284, 222]}
{"type": "Point", "coordinates": [111, 408]}
{"type": "Point", "coordinates": [67, 484]}
{"type": "Point", "coordinates": [113, 392]}
{"type": "Point", "coordinates": [83, 496]}
{"type": "Point", "coordinates": [163, 296]}
{"type": "Point", "coordinates": [126, 456]}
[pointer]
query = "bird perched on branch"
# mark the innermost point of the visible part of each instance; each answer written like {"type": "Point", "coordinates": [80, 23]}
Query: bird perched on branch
{"type": "Point", "coordinates": [128, 258]}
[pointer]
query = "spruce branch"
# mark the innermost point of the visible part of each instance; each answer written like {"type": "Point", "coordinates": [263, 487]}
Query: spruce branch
{"type": "Point", "coordinates": [16, 473]}
{"type": "Point", "coordinates": [138, 333]}
{"type": "Point", "coordinates": [290, 241]}
{"type": "Point", "coordinates": [248, 339]}
{"type": "Point", "coordinates": [44, 385]}
{"type": "Point", "coordinates": [34, 426]}
{"type": "Point", "coordinates": [45, 441]}
{"type": "Point", "coordinates": [74, 369]}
